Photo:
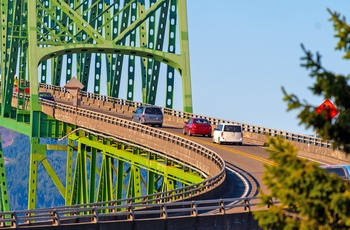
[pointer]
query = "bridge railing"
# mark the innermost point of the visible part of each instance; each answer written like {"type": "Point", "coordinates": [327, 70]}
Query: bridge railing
{"type": "Point", "coordinates": [204, 160]}
{"type": "Point", "coordinates": [250, 128]}
{"type": "Point", "coordinates": [125, 211]}
{"type": "Point", "coordinates": [131, 205]}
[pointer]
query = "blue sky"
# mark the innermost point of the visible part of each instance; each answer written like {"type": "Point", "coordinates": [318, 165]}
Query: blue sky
{"type": "Point", "coordinates": [243, 52]}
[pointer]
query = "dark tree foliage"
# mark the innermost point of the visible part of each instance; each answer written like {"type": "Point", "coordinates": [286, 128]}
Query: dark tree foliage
{"type": "Point", "coordinates": [310, 198]}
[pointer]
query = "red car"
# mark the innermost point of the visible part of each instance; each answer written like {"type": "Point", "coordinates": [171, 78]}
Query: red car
{"type": "Point", "coordinates": [200, 126]}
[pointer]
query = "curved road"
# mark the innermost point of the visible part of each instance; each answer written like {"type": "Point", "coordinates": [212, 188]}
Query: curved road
{"type": "Point", "coordinates": [248, 160]}
{"type": "Point", "coordinates": [245, 163]}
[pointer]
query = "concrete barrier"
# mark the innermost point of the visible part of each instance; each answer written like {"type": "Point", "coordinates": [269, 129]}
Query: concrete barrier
{"type": "Point", "coordinates": [307, 146]}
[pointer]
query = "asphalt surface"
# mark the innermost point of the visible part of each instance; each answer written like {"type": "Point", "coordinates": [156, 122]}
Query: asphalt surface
{"type": "Point", "coordinates": [245, 163]}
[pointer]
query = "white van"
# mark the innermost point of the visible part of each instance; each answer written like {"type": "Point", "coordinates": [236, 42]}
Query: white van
{"type": "Point", "coordinates": [228, 133]}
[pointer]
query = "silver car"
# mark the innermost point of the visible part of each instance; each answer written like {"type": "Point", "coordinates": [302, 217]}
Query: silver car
{"type": "Point", "coordinates": [148, 114]}
{"type": "Point", "coordinates": [228, 133]}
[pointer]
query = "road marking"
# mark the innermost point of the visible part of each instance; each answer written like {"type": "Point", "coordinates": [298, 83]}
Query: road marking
{"type": "Point", "coordinates": [231, 150]}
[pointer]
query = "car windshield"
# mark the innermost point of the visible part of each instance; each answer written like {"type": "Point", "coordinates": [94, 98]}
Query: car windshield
{"type": "Point", "coordinates": [339, 171]}
{"type": "Point", "coordinates": [153, 111]}
{"type": "Point", "coordinates": [232, 128]}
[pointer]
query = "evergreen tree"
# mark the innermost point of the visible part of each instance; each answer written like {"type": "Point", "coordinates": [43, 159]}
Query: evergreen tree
{"type": "Point", "coordinates": [309, 197]}
{"type": "Point", "coordinates": [331, 86]}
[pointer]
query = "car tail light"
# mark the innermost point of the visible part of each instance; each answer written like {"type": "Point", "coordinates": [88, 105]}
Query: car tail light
{"type": "Point", "coordinates": [222, 134]}
{"type": "Point", "coordinates": [143, 116]}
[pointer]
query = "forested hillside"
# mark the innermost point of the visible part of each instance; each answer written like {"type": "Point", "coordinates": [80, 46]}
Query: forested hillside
{"type": "Point", "coordinates": [16, 149]}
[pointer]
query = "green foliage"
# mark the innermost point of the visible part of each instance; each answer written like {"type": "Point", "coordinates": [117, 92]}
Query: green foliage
{"type": "Point", "coordinates": [309, 197]}
{"type": "Point", "coordinates": [331, 86]}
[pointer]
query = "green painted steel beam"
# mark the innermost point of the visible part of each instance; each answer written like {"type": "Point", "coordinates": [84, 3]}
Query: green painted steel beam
{"type": "Point", "coordinates": [37, 154]}
{"type": "Point", "coordinates": [151, 182]}
{"type": "Point", "coordinates": [152, 92]}
{"type": "Point", "coordinates": [85, 36]}
{"type": "Point", "coordinates": [23, 128]}
{"type": "Point", "coordinates": [120, 177]}
{"type": "Point", "coordinates": [51, 41]}
{"type": "Point", "coordinates": [121, 166]}
{"type": "Point", "coordinates": [93, 171]}
{"type": "Point", "coordinates": [80, 176]}
{"type": "Point", "coordinates": [69, 172]}
{"type": "Point", "coordinates": [169, 100]}
{"type": "Point", "coordinates": [64, 27]}
{"type": "Point", "coordinates": [132, 59]}
{"type": "Point", "coordinates": [56, 147]}
{"type": "Point", "coordinates": [56, 180]}
{"type": "Point", "coordinates": [184, 46]}
{"type": "Point", "coordinates": [156, 165]}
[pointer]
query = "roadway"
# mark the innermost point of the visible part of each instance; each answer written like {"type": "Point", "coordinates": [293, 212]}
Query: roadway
{"type": "Point", "coordinates": [245, 163]}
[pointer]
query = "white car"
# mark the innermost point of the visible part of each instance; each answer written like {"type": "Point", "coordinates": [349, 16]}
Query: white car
{"type": "Point", "coordinates": [228, 133]}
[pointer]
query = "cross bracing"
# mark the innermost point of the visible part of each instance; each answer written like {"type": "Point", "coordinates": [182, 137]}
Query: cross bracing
{"type": "Point", "coordinates": [102, 43]}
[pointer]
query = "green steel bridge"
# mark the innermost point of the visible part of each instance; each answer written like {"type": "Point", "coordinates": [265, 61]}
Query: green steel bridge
{"type": "Point", "coordinates": [127, 51]}
{"type": "Point", "coordinates": [108, 46]}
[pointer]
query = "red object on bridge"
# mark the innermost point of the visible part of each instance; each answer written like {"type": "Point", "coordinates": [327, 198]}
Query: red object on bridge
{"type": "Point", "coordinates": [26, 90]}
{"type": "Point", "coordinates": [328, 105]}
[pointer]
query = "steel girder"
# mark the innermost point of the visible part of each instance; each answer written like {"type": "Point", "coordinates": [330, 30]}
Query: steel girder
{"type": "Point", "coordinates": [102, 169]}
{"type": "Point", "coordinates": [89, 40]}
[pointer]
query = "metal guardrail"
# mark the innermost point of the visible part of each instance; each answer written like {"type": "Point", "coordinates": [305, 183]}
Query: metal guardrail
{"type": "Point", "coordinates": [31, 216]}
{"type": "Point", "coordinates": [305, 139]}
{"type": "Point", "coordinates": [122, 210]}
{"type": "Point", "coordinates": [173, 195]}
{"type": "Point", "coordinates": [155, 205]}
{"type": "Point", "coordinates": [127, 208]}
{"type": "Point", "coordinates": [148, 208]}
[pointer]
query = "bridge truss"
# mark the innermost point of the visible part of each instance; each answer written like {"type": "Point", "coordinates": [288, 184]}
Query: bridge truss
{"type": "Point", "coordinates": [103, 44]}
